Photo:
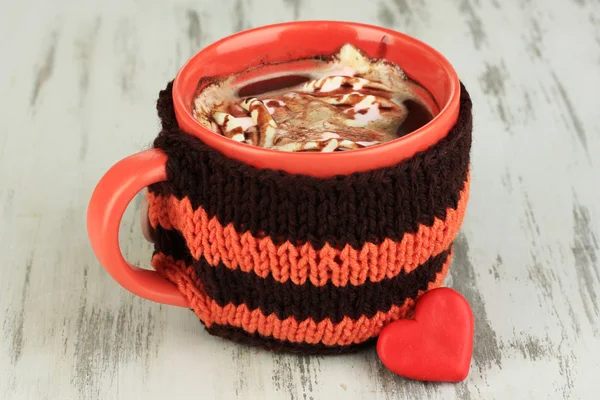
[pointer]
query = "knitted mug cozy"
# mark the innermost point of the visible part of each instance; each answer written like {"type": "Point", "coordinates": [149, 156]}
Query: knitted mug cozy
{"type": "Point", "coordinates": [304, 264]}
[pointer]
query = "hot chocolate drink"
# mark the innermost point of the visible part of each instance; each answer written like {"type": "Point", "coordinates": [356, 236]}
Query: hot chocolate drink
{"type": "Point", "coordinates": [341, 102]}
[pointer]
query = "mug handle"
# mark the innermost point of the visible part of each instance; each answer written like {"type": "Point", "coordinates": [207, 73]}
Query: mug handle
{"type": "Point", "coordinates": [121, 183]}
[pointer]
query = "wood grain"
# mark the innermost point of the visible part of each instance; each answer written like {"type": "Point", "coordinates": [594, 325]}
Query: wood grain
{"type": "Point", "coordinates": [79, 84]}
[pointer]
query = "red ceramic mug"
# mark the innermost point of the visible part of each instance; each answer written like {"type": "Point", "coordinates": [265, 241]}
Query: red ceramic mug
{"type": "Point", "coordinates": [269, 44]}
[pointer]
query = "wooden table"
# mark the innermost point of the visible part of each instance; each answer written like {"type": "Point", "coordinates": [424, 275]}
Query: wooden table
{"type": "Point", "coordinates": [79, 85]}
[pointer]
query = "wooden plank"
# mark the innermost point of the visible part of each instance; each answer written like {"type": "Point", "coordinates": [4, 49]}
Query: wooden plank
{"type": "Point", "coordinates": [79, 86]}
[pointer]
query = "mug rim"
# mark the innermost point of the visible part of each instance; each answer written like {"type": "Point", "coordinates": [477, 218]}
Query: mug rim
{"type": "Point", "coordinates": [331, 163]}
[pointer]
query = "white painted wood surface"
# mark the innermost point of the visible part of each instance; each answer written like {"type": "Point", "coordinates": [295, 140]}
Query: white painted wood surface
{"type": "Point", "coordinates": [79, 81]}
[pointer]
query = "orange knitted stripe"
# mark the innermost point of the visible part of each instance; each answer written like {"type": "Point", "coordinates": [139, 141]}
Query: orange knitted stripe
{"type": "Point", "coordinates": [217, 243]}
{"type": "Point", "coordinates": [346, 332]}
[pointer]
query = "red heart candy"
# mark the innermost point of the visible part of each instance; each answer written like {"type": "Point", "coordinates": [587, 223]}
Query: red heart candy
{"type": "Point", "coordinates": [434, 346]}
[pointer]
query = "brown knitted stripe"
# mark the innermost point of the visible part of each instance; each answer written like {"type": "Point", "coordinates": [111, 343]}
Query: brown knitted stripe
{"type": "Point", "coordinates": [348, 331]}
{"type": "Point", "coordinates": [208, 239]}
{"type": "Point", "coordinates": [254, 339]}
{"type": "Point", "coordinates": [355, 209]}
{"type": "Point", "coordinates": [225, 285]}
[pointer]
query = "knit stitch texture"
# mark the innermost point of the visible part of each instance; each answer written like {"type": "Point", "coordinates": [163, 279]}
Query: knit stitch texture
{"type": "Point", "coordinates": [303, 264]}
